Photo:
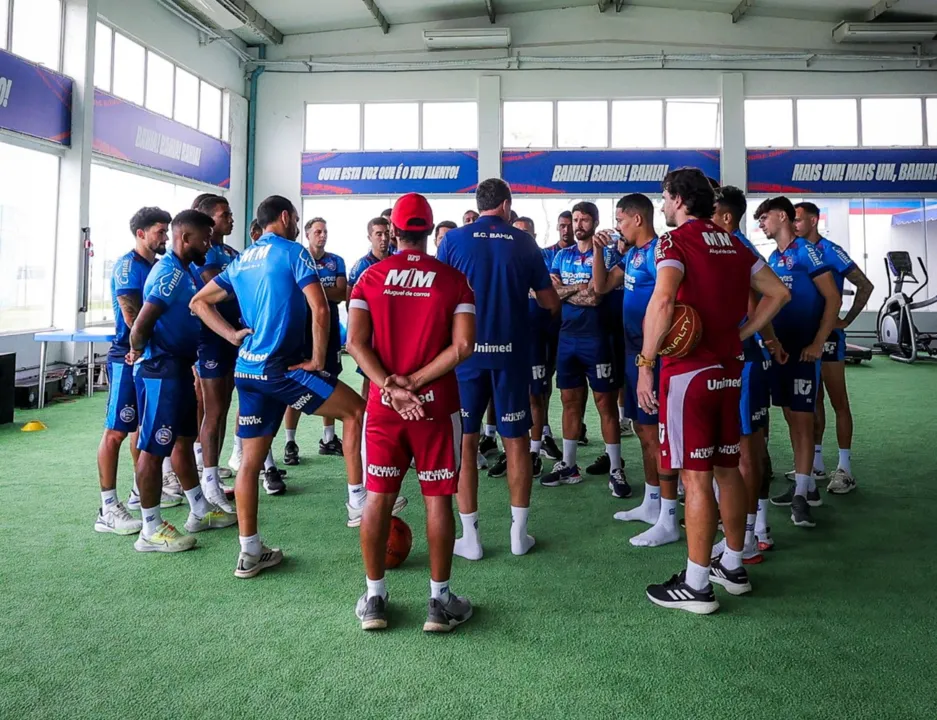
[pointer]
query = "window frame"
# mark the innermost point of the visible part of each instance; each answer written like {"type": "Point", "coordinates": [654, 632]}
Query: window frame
{"type": "Point", "coordinates": [419, 124]}
{"type": "Point", "coordinates": [608, 123]}
{"type": "Point", "coordinates": [793, 102]}
{"type": "Point", "coordinates": [424, 103]}
{"type": "Point", "coordinates": [922, 101]}
{"type": "Point", "coordinates": [853, 98]}
{"type": "Point", "coordinates": [360, 105]}
{"type": "Point", "coordinates": [9, 33]}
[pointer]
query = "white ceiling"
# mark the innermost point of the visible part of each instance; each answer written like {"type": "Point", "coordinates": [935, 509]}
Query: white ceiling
{"type": "Point", "coordinates": [304, 16]}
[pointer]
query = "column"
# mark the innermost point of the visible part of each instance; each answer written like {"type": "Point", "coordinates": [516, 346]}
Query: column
{"type": "Point", "coordinates": [734, 159]}
{"type": "Point", "coordinates": [489, 126]}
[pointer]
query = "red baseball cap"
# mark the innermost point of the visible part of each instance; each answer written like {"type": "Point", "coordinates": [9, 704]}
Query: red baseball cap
{"type": "Point", "coordinates": [412, 212]}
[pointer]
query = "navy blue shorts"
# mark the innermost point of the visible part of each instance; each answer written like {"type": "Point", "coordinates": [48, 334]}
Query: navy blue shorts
{"type": "Point", "coordinates": [166, 403]}
{"type": "Point", "coordinates": [510, 390]}
{"type": "Point", "coordinates": [794, 385]}
{"type": "Point", "coordinates": [539, 352]}
{"type": "Point", "coordinates": [121, 397]}
{"type": "Point", "coordinates": [834, 349]}
{"type": "Point", "coordinates": [756, 396]}
{"type": "Point", "coordinates": [579, 358]}
{"type": "Point", "coordinates": [632, 409]}
{"type": "Point", "coordinates": [262, 402]}
{"type": "Point", "coordinates": [616, 343]}
{"type": "Point", "coordinates": [216, 359]}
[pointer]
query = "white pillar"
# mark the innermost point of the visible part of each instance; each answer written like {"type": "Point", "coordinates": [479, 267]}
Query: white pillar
{"type": "Point", "coordinates": [734, 159]}
{"type": "Point", "coordinates": [489, 127]}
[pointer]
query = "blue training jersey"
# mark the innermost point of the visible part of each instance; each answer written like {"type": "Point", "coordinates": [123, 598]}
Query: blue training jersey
{"type": "Point", "coordinates": [752, 348]}
{"type": "Point", "coordinates": [575, 268]}
{"type": "Point", "coordinates": [838, 260]}
{"type": "Point", "coordinates": [127, 278]}
{"type": "Point", "coordinates": [797, 323]}
{"type": "Point", "coordinates": [360, 266]}
{"type": "Point", "coordinates": [171, 286]}
{"type": "Point", "coordinates": [268, 279]}
{"type": "Point", "coordinates": [640, 271]}
{"type": "Point", "coordinates": [502, 264]}
{"type": "Point", "coordinates": [330, 267]}
{"type": "Point", "coordinates": [218, 258]}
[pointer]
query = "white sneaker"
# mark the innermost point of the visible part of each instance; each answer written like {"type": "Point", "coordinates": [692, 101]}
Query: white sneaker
{"type": "Point", "coordinates": [751, 555]}
{"type": "Point", "coordinates": [115, 519]}
{"type": "Point", "coordinates": [166, 539]}
{"type": "Point", "coordinates": [133, 502]}
{"type": "Point", "coordinates": [171, 484]}
{"type": "Point", "coordinates": [234, 462]}
{"type": "Point", "coordinates": [354, 514]}
{"type": "Point", "coordinates": [841, 482]}
{"type": "Point", "coordinates": [214, 519]}
{"type": "Point", "coordinates": [627, 428]}
{"type": "Point", "coordinates": [166, 500]}
{"type": "Point", "coordinates": [225, 473]}
{"type": "Point", "coordinates": [220, 500]}
{"type": "Point", "coordinates": [249, 566]}
{"type": "Point", "coordinates": [482, 462]}
{"type": "Point", "coordinates": [818, 475]}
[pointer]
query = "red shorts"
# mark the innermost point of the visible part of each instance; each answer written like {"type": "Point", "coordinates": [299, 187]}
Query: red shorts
{"type": "Point", "coordinates": [699, 418]}
{"type": "Point", "coordinates": [390, 443]}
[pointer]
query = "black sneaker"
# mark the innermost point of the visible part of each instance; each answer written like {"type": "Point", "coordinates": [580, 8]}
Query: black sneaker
{"type": "Point", "coordinates": [444, 616]}
{"type": "Point", "coordinates": [800, 512]}
{"type": "Point", "coordinates": [332, 447]}
{"type": "Point", "coordinates": [676, 594]}
{"type": "Point", "coordinates": [500, 468]}
{"type": "Point", "coordinates": [813, 498]}
{"type": "Point", "coordinates": [291, 453]}
{"type": "Point", "coordinates": [550, 450]}
{"type": "Point", "coordinates": [562, 474]}
{"type": "Point", "coordinates": [487, 445]}
{"type": "Point", "coordinates": [618, 485]}
{"type": "Point", "coordinates": [537, 465]}
{"type": "Point", "coordinates": [583, 440]}
{"type": "Point", "coordinates": [735, 581]}
{"type": "Point", "coordinates": [601, 466]}
{"type": "Point", "coordinates": [784, 499]}
{"type": "Point", "coordinates": [372, 612]}
{"type": "Point", "coordinates": [273, 482]}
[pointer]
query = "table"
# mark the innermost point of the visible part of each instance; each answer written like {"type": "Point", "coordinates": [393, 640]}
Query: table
{"type": "Point", "coordinates": [89, 335]}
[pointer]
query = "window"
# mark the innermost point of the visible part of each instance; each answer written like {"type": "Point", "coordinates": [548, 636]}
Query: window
{"type": "Point", "coordinates": [932, 121]}
{"type": "Point", "coordinates": [186, 106]}
{"type": "Point", "coordinates": [891, 121]}
{"type": "Point", "coordinates": [103, 44]}
{"type": "Point", "coordinates": [160, 77]}
{"type": "Point", "coordinates": [693, 123]}
{"type": "Point", "coordinates": [209, 113]}
{"type": "Point", "coordinates": [528, 124]}
{"type": "Point", "coordinates": [637, 124]}
{"type": "Point", "coordinates": [450, 126]}
{"type": "Point", "coordinates": [37, 31]}
{"type": "Point", "coordinates": [27, 247]}
{"type": "Point", "coordinates": [827, 123]}
{"type": "Point", "coordinates": [769, 123]}
{"type": "Point", "coordinates": [391, 126]}
{"type": "Point", "coordinates": [582, 123]}
{"type": "Point", "coordinates": [226, 116]}
{"type": "Point", "coordinates": [333, 127]}
{"type": "Point", "coordinates": [129, 69]}
{"type": "Point", "coordinates": [4, 23]}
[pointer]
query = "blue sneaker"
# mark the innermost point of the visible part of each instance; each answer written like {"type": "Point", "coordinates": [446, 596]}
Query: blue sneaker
{"type": "Point", "coordinates": [618, 484]}
{"type": "Point", "coordinates": [562, 474]}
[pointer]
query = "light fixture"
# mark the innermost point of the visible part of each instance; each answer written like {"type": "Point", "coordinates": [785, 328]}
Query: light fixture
{"type": "Point", "coordinates": [467, 39]}
{"type": "Point", "coordinates": [884, 32]}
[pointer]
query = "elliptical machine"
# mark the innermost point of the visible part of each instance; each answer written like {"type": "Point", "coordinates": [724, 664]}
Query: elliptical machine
{"type": "Point", "coordinates": [897, 334]}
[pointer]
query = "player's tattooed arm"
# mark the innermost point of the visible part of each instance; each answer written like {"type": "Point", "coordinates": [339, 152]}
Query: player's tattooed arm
{"type": "Point", "coordinates": [130, 304]}
{"type": "Point", "coordinates": [864, 288]}
{"type": "Point", "coordinates": [564, 291]}
{"type": "Point", "coordinates": [586, 297]}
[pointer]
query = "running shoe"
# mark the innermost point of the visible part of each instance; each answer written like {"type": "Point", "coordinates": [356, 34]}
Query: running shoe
{"type": "Point", "coordinates": [249, 566]}
{"type": "Point", "coordinates": [676, 594]}
{"type": "Point", "coordinates": [166, 539]}
{"type": "Point", "coordinates": [372, 612]}
{"type": "Point", "coordinates": [116, 519]}
{"type": "Point", "coordinates": [332, 447]}
{"type": "Point", "coordinates": [444, 616]}
{"type": "Point", "coordinates": [291, 453]}
{"type": "Point", "coordinates": [562, 474]}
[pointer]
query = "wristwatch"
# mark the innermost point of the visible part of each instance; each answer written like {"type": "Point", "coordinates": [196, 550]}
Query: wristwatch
{"type": "Point", "coordinates": [642, 361]}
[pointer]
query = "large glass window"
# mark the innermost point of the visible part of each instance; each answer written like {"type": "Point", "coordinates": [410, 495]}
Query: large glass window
{"type": "Point", "coordinates": [827, 123]}
{"type": "Point", "coordinates": [769, 123]}
{"type": "Point", "coordinates": [226, 116]}
{"type": "Point", "coordinates": [450, 126]}
{"type": "Point", "coordinates": [528, 125]}
{"type": "Point", "coordinates": [28, 199]}
{"type": "Point", "coordinates": [637, 124]}
{"type": "Point", "coordinates": [209, 113]}
{"type": "Point", "coordinates": [693, 123]}
{"type": "Point", "coordinates": [103, 43]}
{"type": "Point", "coordinates": [160, 79]}
{"type": "Point", "coordinates": [4, 23]}
{"type": "Point", "coordinates": [931, 106]}
{"type": "Point", "coordinates": [186, 106]}
{"type": "Point", "coordinates": [892, 121]}
{"type": "Point", "coordinates": [391, 126]}
{"type": "Point", "coordinates": [37, 31]}
{"type": "Point", "coordinates": [582, 123]}
{"type": "Point", "coordinates": [334, 126]}
{"type": "Point", "coordinates": [129, 69]}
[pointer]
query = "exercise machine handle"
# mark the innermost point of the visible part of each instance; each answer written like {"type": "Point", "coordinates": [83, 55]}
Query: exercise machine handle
{"type": "Point", "coordinates": [86, 251]}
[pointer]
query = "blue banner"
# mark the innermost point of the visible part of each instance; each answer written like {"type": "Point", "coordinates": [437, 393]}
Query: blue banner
{"type": "Point", "coordinates": [390, 173]}
{"type": "Point", "coordinates": [857, 171]}
{"type": "Point", "coordinates": [586, 172]}
{"type": "Point", "coordinates": [129, 132]}
{"type": "Point", "coordinates": [34, 101]}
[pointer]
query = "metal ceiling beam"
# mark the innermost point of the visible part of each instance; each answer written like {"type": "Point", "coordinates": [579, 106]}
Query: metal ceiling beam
{"type": "Point", "coordinates": [880, 8]}
{"type": "Point", "coordinates": [490, 7]}
{"type": "Point", "coordinates": [254, 20]}
{"type": "Point", "coordinates": [743, 7]}
{"type": "Point", "coordinates": [604, 5]}
{"type": "Point", "coordinates": [377, 15]}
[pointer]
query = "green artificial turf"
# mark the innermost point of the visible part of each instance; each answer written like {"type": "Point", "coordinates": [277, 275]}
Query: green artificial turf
{"type": "Point", "coordinates": [841, 623]}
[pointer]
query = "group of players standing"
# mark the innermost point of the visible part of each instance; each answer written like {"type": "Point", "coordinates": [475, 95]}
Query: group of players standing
{"type": "Point", "coordinates": [480, 329]}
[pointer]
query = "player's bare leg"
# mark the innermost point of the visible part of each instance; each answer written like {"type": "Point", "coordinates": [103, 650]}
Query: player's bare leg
{"type": "Point", "coordinates": [834, 378]}
{"type": "Point", "coordinates": [216, 400]}
{"type": "Point", "coordinates": [819, 428]}
{"type": "Point", "coordinates": [290, 423]}
{"type": "Point", "coordinates": [566, 472]}
{"type": "Point", "coordinates": [200, 416]}
{"type": "Point", "coordinates": [751, 461]}
{"type": "Point", "coordinates": [375, 529]}
{"type": "Point", "coordinates": [538, 417]}
{"type": "Point", "coordinates": [469, 545]}
{"type": "Point", "coordinates": [488, 442]}
{"type": "Point", "coordinates": [520, 478]}
{"type": "Point", "coordinates": [801, 429]}
{"type": "Point", "coordinates": [254, 556]}
{"type": "Point", "coordinates": [607, 405]}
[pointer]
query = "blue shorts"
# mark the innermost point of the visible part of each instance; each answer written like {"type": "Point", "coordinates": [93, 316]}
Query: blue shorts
{"type": "Point", "coordinates": [539, 356]}
{"type": "Point", "coordinates": [632, 409]}
{"type": "Point", "coordinates": [794, 385]}
{"type": "Point", "coordinates": [616, 343]}
{"type": "Point", "coordinates": [582, 357]}
{"type": "Point", "coordinates": [121, 397]}
{"type": "Point", "coordinates": [834, 349]}
{"type": "Point", "coordinates": [166, 402]}
{"type": "Point", "coordinates": [509, 388]}
{"type": "Point", "coordinates": [216, 359]}
{"type": "Point", "coordinates": [261, 403]}
{"type": "Point", "coordinates": [756, 396]}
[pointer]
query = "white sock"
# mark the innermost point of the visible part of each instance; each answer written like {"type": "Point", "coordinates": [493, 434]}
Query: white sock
{"type": "Point", "coordinates": [716, 491]}
{"type": "Point", "coordinates": [328, 433]}
{"type": "Point", "coordinates": [614, 455]}
{"type": "Point", "coordinates": [547, 432]}
{"type": "Point", "coordinates": [469, 546]}
{"type": "Point", "coordinates": [270, 462]}
{"type": "Point", "coordinates": [761, 518]}
{"type": "Point", "coordinates": [490, 430]}
{"type": "Point", "coordinates": [237, 444]}
{"type": "Point", "coordinates": [845, 460]}
{"type": "Point", "coordinates": [802, 484]}
{"type": "Point", "coordinates": [152, 519]}
{"type": "Point", "coordinates": [290, 435]}
{"type": "Point", "coordinates": [697, 576]}
{"type": "Point", "coordinates": [199, 460]}
{"type": "Point", "coordinates": [818, 458]}
{"type": "Point", "coordinates": [731, 559]}
{"type": "Point", "coordinates": [210, 481]}
{"type": "Point", "coordinates": [356, 496]}
{"type": "Point", "coordinates": [197, 502]}
{"type": "Point", "coordinates": [108, 497]}
{"type": "Point", "coordinates": [569, 451]}
{"type": "Point", "coordinates": [136, 490]}
{"type": "Point", "coordinates": [521, 542]}
{"type": "Point", "coordinates": [621, 414]}
{"type": "Point", "coordinates": [167, 465]}
{"type": "Point", "coordinates": [535, 446]}
{"type": "Point", "coordinates": [439, 590]}
{"type": "Point", "coordinates": [469, 526]}
{"type": "Point", "coordinates": [250, 544]}
{"type": "Point", "coordinates": [376, 588]}
{"type": "Point", "coordinates": [750, 529]}
{"type": "Point", "coordinates": [668, 513]}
